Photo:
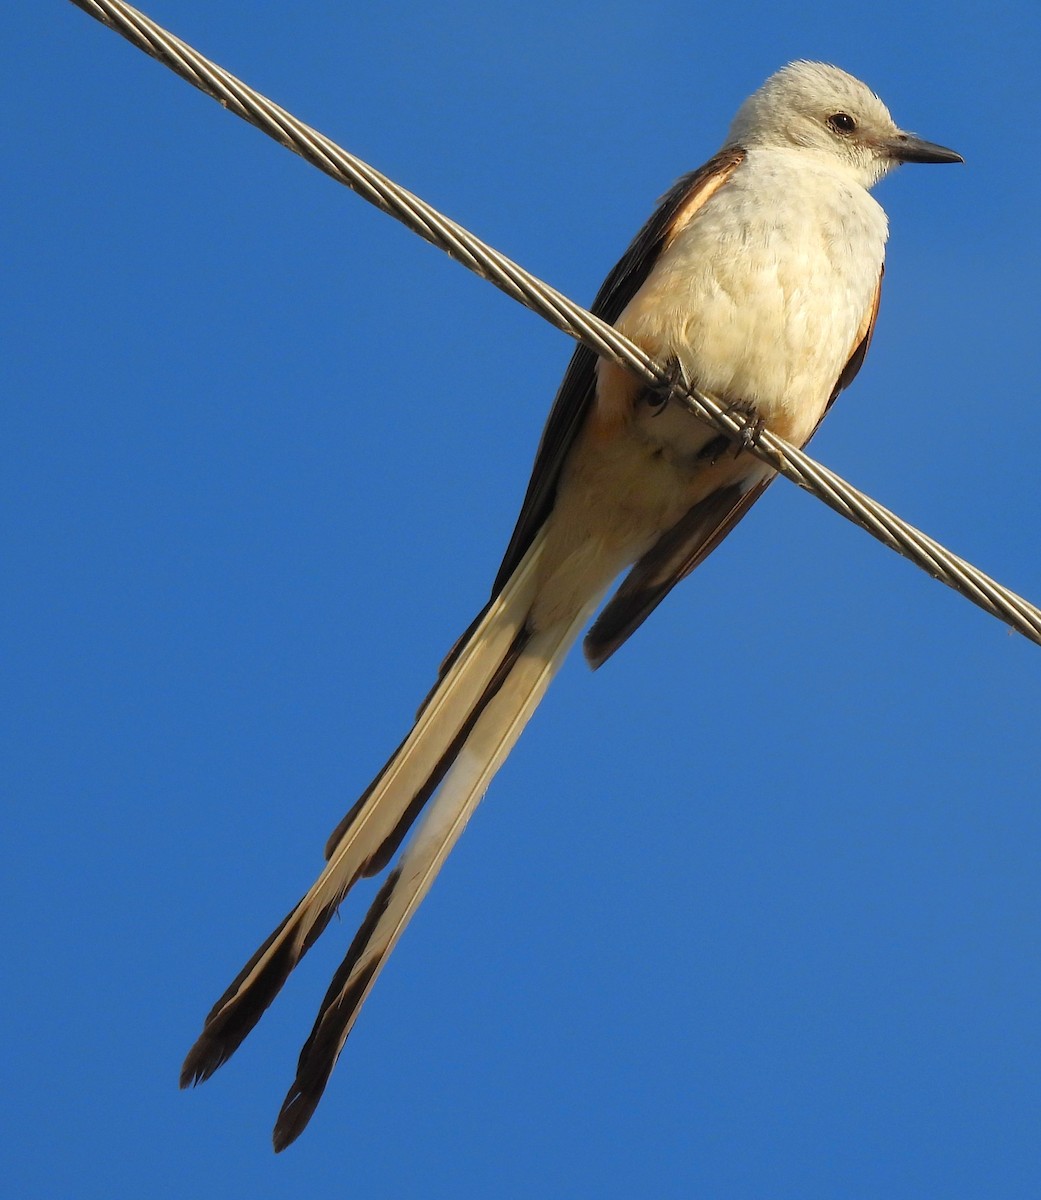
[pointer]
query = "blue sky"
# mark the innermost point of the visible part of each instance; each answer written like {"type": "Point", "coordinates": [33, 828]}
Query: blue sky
{"type": "Point", "coordinates": [755, 911]}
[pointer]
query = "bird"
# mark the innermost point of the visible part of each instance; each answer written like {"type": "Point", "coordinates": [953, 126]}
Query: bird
{"type": "Point", "coordinates": [756, 279]}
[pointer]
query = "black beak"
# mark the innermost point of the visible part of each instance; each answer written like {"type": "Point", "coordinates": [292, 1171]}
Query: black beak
{"type": "Point", "coordinates": [905, 147]}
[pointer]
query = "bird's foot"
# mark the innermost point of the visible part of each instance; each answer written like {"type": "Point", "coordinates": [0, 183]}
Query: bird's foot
{"type": "Point", "coordinates": [658, 397]}
{"type": "Point", "coordinates": [749, 434]}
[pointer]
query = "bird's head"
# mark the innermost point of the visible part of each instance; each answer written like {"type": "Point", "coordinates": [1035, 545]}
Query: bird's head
{"type": "Point", "coordinates": [823, 110]}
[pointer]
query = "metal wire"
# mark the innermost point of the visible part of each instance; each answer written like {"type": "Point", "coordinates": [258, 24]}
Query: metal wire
{"type": "Point", "coordinates": [556, 308]}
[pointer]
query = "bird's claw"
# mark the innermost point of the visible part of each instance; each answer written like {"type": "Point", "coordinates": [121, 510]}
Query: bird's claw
{"type": "Point", "coordinates": [748, 436]}
{"type": "Point", "coordinates": [659, 396]}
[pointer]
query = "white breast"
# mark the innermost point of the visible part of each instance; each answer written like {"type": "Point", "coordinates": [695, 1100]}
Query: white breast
{"type": "Point", "coordinates": [762, 295]}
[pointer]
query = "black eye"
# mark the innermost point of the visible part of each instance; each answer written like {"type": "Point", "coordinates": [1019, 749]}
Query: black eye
{"type": "Point", "coordinates": [842, 123]}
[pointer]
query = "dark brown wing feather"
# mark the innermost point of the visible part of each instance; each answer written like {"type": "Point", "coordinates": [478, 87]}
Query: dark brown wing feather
{"type": "Point", "coordinates": [672, 557]}
{"type": "Point", "coordinates": [860, 349]}
{"type": "Point", "coordinates": [578, 387]}
{"type": "Point", "coordinates": [683, 547]}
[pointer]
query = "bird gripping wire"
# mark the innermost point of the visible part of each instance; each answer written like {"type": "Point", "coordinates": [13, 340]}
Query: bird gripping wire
{"type": "Point", "coordinates": [556, 308]}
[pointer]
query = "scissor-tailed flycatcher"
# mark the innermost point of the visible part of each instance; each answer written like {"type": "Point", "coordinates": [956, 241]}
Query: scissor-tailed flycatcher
{"type": "Point", "coordinates": [758, 280]}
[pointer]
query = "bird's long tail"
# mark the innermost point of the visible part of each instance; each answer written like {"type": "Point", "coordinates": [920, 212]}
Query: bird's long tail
{"type": "Point", "coordinates": [488, 689]}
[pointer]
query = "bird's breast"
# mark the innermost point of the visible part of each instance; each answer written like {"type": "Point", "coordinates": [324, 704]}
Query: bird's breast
{"type": "Point", "coordinates": [763, 293]}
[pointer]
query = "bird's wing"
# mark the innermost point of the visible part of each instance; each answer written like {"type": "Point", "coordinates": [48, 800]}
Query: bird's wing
{"type": "Point", "coordinates": [860, 348]}
{"type": "Point", "coordinates": [698, 532]}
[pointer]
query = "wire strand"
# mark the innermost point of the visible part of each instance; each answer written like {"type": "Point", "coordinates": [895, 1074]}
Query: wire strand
{"type": "Point", "coordinates": [561, 312]}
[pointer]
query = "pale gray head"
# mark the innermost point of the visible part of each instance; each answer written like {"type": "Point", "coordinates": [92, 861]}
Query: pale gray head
{"type": "Point", "coordinates": [818, 108]}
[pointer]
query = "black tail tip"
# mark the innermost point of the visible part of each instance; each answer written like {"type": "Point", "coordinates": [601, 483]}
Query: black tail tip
{"type": "Point", "coordinates": [297, 1110]}
{"type": "Point", "coordinates": [205, 1057]}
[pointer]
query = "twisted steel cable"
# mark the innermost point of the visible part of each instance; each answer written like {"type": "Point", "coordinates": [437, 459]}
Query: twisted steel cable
{"type": "Point", "coordinates": [556, 308]}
